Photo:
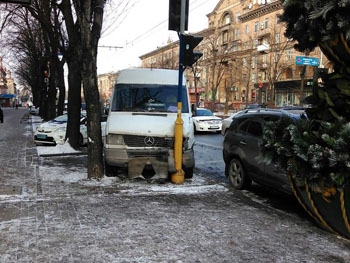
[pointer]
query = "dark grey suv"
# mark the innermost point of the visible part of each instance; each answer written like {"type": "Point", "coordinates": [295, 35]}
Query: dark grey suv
{"type": "Point", "coordinates": [241, 149]}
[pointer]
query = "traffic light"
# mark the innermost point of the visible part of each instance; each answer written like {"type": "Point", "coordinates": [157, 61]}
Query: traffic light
{"type": "Point", "coordinates": [175, 15]}
{"type": "Point", "coordinates": [189, 57]}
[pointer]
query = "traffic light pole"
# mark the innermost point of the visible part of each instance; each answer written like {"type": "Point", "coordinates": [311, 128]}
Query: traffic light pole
{"type": "Point", "coordinates": [179, 176]}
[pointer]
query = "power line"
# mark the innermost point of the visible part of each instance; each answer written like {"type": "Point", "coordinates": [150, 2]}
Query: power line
{"type": "Point", "coordinates": [110, 47]}
{"type": "Point", "coordinates": [146, 34]}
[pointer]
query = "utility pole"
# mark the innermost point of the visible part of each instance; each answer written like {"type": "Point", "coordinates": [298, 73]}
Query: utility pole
{"type": "Point", "coordinates": [179, 176]}
{"type": "Point", "coordinates": [178, 21]}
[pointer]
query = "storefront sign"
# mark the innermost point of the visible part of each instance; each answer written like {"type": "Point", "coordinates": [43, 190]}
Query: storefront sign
{"type": "Point", "coordinates": [307, 61]}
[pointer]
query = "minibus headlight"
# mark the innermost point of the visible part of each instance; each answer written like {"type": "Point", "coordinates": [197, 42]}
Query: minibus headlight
{"type": "Point", "coordinates": [115, 139]}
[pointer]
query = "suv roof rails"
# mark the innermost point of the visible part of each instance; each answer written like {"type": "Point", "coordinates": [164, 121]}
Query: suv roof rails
{"type": "Point", "coordinates": [261, 109]}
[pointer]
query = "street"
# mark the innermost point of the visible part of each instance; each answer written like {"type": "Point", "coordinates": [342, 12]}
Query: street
{"type": "Point", "coordinates": [213, 169]}
{"type": "Point", "coordinates": [50, 212]}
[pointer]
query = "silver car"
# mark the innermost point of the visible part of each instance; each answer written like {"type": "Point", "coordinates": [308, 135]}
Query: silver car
{"type": "Point", "coordinates": [227, 122]}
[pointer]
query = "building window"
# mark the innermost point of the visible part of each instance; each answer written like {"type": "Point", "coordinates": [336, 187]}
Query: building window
{"type": "Point", "coordinates": [237, 16]}
{"type": "Point", "coordinates": [254, 78]}
{"type": "Point", "coordinates": [245, 63]}
{"type": "Point", "coordinates": [236, 33]}
{"type": "Point", "coordinates": [266, 23]}
{"type": "Point", "coordinates": [256, 26]}
{"type": "Point", "coordinates": [289, 54]}
{"type": "Point", "coordinates": [227, 19]}
{"type": "Point", "coordinates": [289, 74]}
{"type": "Point", "coordinates": [254, 62]}
{"type": "Point", "coordinates": [276, 58]}
{"type": "Point", "coordinates": [264, 58]}
{"type": "Point", "coordinates": [265, 41]}
{"type": "Point", "coordinates": [277, 38]}
{"type": "Point", "coordinates": [225, 36]}
{"type": "Point", "coordinates": [247, 29]}
{"type": "Point", "coordinates": [247, 45]}
{"type": "Point", "coordinates": [277, 19]}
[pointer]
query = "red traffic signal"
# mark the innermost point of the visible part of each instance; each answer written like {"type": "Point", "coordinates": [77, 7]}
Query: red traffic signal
{"type": "Point", "coordinates": [189, 42]}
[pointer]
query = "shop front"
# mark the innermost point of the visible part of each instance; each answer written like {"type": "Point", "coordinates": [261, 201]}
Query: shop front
{"type": "Point", "coordinates": [6, 100]}
{"type": "Point", "coordinates": [287, 93]}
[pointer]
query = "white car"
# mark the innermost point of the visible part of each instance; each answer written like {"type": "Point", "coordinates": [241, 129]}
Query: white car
{"type": "Point", "coordinates": [54, 132]}
{"type": "Point", "coordinates": [205, 120]}
{"type": "Point", "coordinates": [227, 122]}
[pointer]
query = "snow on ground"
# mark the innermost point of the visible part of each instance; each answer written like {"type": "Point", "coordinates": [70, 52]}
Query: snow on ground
{"type": "Point", "coordinates": [63, 149]}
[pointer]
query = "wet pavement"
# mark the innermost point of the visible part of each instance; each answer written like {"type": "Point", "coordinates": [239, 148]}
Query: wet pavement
{"type": "Point", "coordinates": [50, 212]}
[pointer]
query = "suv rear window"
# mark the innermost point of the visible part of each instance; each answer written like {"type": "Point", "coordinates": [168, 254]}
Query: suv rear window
{"type": "Point", "coordinates": [251, 127]}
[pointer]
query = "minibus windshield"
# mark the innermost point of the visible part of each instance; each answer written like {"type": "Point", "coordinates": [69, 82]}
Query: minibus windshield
{"type": "Point", "coordinates": [148, 98]}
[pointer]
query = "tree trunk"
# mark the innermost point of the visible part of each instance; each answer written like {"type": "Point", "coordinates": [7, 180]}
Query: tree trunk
{"type": "Point", "coordinates": [74, 103]}
{"type": "Point", "coordinates": [93, 108]}
{"type": "Point", "coordinates": [51, 112]}
{"type": "Point", "coordinates": [90, 34]}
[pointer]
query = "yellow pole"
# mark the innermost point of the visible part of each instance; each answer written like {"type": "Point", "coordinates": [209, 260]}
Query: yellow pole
{"type": "Point", "coordinates": [179, 176]}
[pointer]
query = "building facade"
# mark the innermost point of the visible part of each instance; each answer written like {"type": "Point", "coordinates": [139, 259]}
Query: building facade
{"type": "Point", "coordinates": [246, 59]}
{"type": "Point", "coordinates": [8, 91]}
{"type": "Point", "coordinates": [105, 86]}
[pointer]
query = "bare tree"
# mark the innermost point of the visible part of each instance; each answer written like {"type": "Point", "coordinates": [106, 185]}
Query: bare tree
{"type": "Point", "coordinates": [272, 64]}
{"type": "Point", "coordinates": [25, 39]}
{"type": "Point", "coordinates": [78, 20]}
{"type": "Point", "coordinates": [217, 64]}
{"type": "Point", "coordinates": [47, 14]}
{"type": "Point", "coordinates": [83, 20]}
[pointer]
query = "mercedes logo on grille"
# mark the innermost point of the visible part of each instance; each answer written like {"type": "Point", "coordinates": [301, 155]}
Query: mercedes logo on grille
{"type": "Point", "coordinates": [149, 141]}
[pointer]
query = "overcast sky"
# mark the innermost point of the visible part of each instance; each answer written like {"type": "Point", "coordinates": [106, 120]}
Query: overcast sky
{"type": "Point", "coordinates": [144, 29]}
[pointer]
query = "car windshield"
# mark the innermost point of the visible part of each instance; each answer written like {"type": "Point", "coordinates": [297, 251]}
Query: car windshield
{"type": "Point", "coordinates": [204, 112]}
{"type": "Point", "coordinates": [148, 98]}
{"type": "Point", "coordinates": [64, 118]}
{"type": "Point", "coordinates": [61, 118]}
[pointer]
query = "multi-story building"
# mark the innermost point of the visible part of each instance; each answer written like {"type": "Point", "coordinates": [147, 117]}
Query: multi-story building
{"type": "Point", "coordinates": [7, 87]}
{"type": "Point", "coordinates": [105, 85]}
{"type": "Point", "coordinates": [246, 58]}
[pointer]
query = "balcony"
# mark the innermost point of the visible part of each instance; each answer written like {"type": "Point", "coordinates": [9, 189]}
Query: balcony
{"type": "Point", "coordinates": [263, 48]}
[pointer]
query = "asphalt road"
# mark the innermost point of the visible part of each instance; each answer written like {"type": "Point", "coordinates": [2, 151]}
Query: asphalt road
{"type": "Point", "coordinates": [212, 139]}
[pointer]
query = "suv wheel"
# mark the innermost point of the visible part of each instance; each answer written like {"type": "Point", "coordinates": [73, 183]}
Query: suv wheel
{"type": "Point", "coordinates": [238, 179]}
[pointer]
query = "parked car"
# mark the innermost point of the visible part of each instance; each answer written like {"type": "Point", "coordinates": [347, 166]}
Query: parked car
{"type": "Point", "coordinates": [33, 110]}
{"type": "Point", "coordinates": [241, 149]}
{"type": "Point", "coordinates": [1, 115]}
{"type": "Point", "coordinates": [53, 132]}
{"type": "Point", "coordinates": [255, 106]}
{"type": "Point", "coordinates": [227, 122]}
{"type": "Point", "coordinates": [204, 120]}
